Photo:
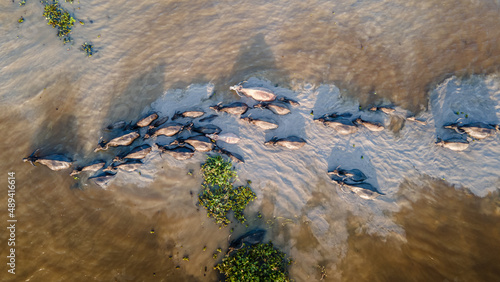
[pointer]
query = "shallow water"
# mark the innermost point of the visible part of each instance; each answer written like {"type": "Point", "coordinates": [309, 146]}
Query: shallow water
{"type": "Point", "coordinates": [440, 210]}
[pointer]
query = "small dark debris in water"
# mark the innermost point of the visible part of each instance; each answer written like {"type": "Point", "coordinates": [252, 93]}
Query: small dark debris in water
{"type": "Point", "coordinates": [177, 267]}
{"type": "Point", "coordinates": [152, 231]}
{"type": "Point", "coordinates": [191, 193]}
{"type": "Point", "coordinates": [361, 157]}
{"type": "Point", "coordinates": [322, 270]}
{"type": "Point", "coordinates": [170, 257]}
{"type": "Point", "coordinates": [88, 48]}
{"type": "Point", "coordinates": [57, 109]}
{"type": "Point", "coordinates": [312, 113]}
{"type": "Point", "coordinates": [154, 273]}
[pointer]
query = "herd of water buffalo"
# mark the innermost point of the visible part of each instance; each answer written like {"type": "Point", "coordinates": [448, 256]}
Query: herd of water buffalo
{"type": "Point", "coordinates": [203, 138]}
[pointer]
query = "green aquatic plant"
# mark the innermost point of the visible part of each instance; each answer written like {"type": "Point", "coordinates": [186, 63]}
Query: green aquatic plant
{"type": "Point", "coordinates": [218, 172]}
{"type": "Point", "coordinates": [58, 18]}
{"type": "Point", "coordinates": [88, 48]}
{"type": "Point", "coordinates": [259, 262]}
{"type": "Point", "coordinates": [20, 20]}
{"type": "Point", "coordinates": [218, 196]}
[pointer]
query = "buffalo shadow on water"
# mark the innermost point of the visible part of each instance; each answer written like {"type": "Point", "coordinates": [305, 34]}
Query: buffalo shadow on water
{"type": "Point", "coordinates": [132, 103]}
{"type": "Point", "coordinates": [58, 133]}
{"type": "Point", "coordinates": [129, 103]}
{"type": "Point", "coordinates": [255, 59]}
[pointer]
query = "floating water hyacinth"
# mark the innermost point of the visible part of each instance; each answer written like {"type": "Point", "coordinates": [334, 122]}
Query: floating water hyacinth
{"type": "Point", "coordinates": [218, 195]}
{"type": "Point", "coordinates": [58, 17]}
{"type": "Point", "coordinates": [88, 48]}
{"type": "Point", "coordinates": [259, 262]}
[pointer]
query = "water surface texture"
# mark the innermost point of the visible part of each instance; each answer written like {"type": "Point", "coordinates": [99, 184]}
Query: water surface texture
{"type": "Point", "coordinates": [439, 219]}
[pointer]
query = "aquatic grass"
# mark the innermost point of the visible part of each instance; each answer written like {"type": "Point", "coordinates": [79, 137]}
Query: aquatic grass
{"type": "Point", "coordinates": [58, 18]}
{"type": "Point", "coordinates": [218, 196]}
{"type": "Point", "coordinates": [259, 262]}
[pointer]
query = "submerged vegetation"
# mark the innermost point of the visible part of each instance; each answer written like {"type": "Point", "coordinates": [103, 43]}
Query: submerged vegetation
{"type": "Point", "coordinates": [218, 195]}
{"type": "Point", "coordinates": [260, 262]}
{"type": "Point", "coordinates": [58, 18]}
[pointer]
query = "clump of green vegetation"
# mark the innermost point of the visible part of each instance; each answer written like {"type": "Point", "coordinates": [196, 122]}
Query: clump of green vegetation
{"type": "Point", "coordinates": [22, 2]}
{"type": "Point", "coordinates": [218, 195]}
{"type": "Point", "coordinates": [58, 17]}
{"type": "Point", "coordinates": [260, 262]}
{"type": "Point", "coordinates": [20, 20]}
{"type": "Point", "coordinates": [88, 48]}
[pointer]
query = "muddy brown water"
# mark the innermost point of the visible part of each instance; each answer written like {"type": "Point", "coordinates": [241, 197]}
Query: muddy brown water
{"type": "Point", "coordinates": [54, 98]}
